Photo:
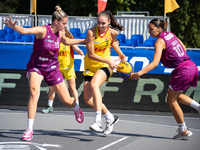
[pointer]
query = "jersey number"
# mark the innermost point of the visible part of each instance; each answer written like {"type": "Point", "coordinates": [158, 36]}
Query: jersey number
{"type": "Point", "coordinates": [179, 50]}
{"type": "Point", "coordinates": [106, 42]}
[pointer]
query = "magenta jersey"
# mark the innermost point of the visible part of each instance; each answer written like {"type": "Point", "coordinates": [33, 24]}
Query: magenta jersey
{"type": "Point", "coordinates": [45, 51]}
{"type": "Point", "coordinates": [174, 53]}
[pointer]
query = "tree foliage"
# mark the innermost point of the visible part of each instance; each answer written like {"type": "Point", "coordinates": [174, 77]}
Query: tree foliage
{"type": "Point", "coordinates": [184, 22]}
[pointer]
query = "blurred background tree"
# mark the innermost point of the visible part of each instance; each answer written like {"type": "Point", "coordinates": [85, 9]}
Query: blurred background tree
{"type": "Point", "coordinates": [184, 21]}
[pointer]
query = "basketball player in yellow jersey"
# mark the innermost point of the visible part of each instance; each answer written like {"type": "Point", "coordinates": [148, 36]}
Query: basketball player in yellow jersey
{"type": "Point", "coordinates": [66, 66]}
{"type": "Point", "coordinates": [98, 67]}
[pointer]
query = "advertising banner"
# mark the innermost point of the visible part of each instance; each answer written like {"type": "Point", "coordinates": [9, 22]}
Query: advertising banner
{"type": "Point", "coordinates": [149, 93]}
{"type": "Point", "coordinates": [17, 56]}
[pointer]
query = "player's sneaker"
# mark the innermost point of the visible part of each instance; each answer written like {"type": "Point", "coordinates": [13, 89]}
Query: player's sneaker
{"type": "Point", "coordinates": [28, 135]}
{"type": "Point", "coordinates": [47, 109]}
{"type": "Point", "coordinates": [110, 125]}
{"type": "Point", "coordinates": [183, 134]}
{"type": "Point", "coordinates": [79, 115]}
{"type": "Point", "coordinates": [97, 127]}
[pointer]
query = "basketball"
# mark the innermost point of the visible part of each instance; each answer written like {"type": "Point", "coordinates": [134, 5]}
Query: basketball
{"type": "Point", "coordinates": [125, 69]}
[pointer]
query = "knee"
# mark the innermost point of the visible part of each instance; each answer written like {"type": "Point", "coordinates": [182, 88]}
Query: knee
{"type": "Point", "coordinates": [34, 93]}
{"type": "Point", "coordinates": [170, 102]}
{"type": "Point", "coordinates": [94, 86]}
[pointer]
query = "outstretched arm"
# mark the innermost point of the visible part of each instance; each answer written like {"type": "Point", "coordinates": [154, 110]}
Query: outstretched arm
{"type": "Point", "coordinates": [156, 59]}
{"type": "Point", "coordinates": [70, 42]}
{"type": "Point", "coordinates": [41, 31]}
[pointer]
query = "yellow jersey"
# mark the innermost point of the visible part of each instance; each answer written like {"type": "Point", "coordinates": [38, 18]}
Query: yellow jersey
{"type": "Point", "coordinates": [66, 61]}
{"type": "Point", "coordinates": [101, 48]}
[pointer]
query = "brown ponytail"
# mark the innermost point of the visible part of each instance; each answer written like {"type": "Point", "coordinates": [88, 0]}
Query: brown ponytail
{"type": "Point", "coordinates": [113, 21]}
{"type": "Point", "coordinates": [68, 34]}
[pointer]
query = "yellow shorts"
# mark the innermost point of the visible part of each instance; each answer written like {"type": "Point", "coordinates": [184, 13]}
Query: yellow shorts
{"type": "Point", "coordinates": [68, 74]}
{"type": "Point", "coordinates": [90, 71]}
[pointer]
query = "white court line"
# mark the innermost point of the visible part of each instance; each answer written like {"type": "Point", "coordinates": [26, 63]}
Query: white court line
{"type": "Point", "coordinates": [157, 116]}
{"type": "Point", "coordinates": [162, 125]}
{"type": "Point", "coordinates": [113, 143]}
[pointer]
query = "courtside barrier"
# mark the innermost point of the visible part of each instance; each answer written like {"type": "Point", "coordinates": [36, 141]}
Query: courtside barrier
{"type": "Point", "coordinates": [132, 24]}
{"type": "Point", "coordinates": [148, 93]}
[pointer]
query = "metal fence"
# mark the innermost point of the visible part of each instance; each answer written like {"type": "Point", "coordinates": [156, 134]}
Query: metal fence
{"type": "Point", "coordinates": [132, 24]}
{"type": "Point", "coordinates": [22, 19]}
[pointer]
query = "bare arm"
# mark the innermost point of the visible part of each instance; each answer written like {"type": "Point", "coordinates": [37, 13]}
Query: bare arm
{"type": "Point", "coordinates": [77, 49]}
{"type": "Point", "coordinates": [39, 31]}
{"type": "Point", "coordinates": [67, 41]}
{"type": "Point", "coordinates": [114, 33]}
{"type": "Point", "coordinates": [156, 59]}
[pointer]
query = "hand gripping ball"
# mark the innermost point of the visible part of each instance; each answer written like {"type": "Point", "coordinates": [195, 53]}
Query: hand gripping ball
{"type": "Point", "coordinates": [125, 69]}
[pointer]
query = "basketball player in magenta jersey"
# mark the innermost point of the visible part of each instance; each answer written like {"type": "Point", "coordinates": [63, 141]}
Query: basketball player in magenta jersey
{"type": "Point", "coordinates": [44, 64]}
{"type": "Point", "coordinates": [172, 53]}
{"type": "Point", "coordinates": [66, 66]}
{"type": "Point", "coordinates": [98, 67]}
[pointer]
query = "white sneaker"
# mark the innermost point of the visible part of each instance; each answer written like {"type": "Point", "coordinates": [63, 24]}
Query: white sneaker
{"type": "Point", "coordinates": [183, 134]}
{"type": "Point", "coordinates": [97, 127]}
{"type": "Point", "coordinates": [110, 125]}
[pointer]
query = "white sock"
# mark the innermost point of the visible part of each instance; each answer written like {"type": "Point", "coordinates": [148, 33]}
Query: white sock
{"type": "Point", "coordinates": [182, 126]}
{"type": "Point", "coordinates": [108, 116]}
{"type": "Point", "coordinates": [195, 105]}
{"type": "Point", "coordinates": [30, 123]}
{"type": "Point", "coordinates": [98, 116]}
{"type": "Point", "coordinates": [77, 102]}
{"type": "Point", "coordinates": [50, 103]}
{"type": "Point", "coordinates": [76, 107]}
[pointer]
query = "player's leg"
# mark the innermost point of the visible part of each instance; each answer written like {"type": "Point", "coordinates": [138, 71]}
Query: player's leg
{"type": "Point", "coordinates": [93, 98]}
{"type": "Point", "coordinates": [51, 96]}
{"type": "Point", "coordinates": [34, 87]}
{"type": "Point", "coordinates": [98, 79]}
{"type": "Point", "coordinates": [186, 100]}
{"type": "Point", "coordinates": [72, 87]}
{"type": "Point", "coordinates": [63, 94]}
{"type": "Point", "coordinates": [88, 97]}
{"type": "Point", "coordinates": [177, 112]}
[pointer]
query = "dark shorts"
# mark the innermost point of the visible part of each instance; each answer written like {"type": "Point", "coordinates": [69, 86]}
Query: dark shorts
{"type": "Point", "coordinates": [52, 77]}
{"type": "Point", "coordinates": [105, 69]}
{"type": "Point", "coordinates": [183, 76]}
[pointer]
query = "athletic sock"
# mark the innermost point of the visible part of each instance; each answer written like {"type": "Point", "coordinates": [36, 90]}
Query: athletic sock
{"type": "Point", "coordinates": [182, 126]}
{"type": "Point", "coordinates": [108, 116]}
{"type": "Point", "coordinates": [76, 107]}
{"type": "Point", "coordinates": [195, 105]}
{"type": "Point", "coordinates": [77, 102]}
{"type": "Point", "coordinates": [30, 123]}
{"type": "Point", "coordinates": [50, 103]}
{"type": "Point", "coordinates": [98, 116]}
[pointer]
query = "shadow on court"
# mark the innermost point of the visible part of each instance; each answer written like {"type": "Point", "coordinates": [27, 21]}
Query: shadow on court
{"type": "Point", "coordinates": [59, 130]}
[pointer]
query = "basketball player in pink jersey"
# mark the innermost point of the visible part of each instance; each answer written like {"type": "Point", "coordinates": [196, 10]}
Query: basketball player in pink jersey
{"type": "Point", "coordinates": [44, 64]}
{"type": "Point", "coordinates": [172, 53]}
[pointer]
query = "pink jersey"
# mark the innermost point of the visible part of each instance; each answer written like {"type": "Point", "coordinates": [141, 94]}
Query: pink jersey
{"type": "Point", "coordinates": [174, 53]}
{"type": "Point", "coordinates": [45, 51]}
{"type": "Point", "coordinates": [44, 59]}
